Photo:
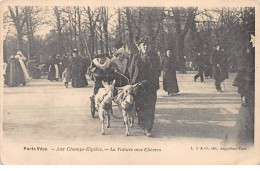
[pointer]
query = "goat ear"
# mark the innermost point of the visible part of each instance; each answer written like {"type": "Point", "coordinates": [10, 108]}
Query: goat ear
{"type": "Point", "coordinates": [135, 85]}
{"type": "Point", "coordinates": [104, 83]}
{"type": "Point", "coordinates": [113, 83]}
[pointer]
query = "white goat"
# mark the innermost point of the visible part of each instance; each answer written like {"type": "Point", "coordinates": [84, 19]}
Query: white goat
{"type": "Point", "coordinates": [103, 101]}
{"type": "Point", "coordinates": [126, 103]}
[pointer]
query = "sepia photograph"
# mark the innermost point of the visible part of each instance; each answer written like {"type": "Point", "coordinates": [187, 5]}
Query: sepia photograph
{"type": "Point", "coordinates": [128, 83]}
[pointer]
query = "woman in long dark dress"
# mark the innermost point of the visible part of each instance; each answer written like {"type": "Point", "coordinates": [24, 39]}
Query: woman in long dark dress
{"type": "Point", "coordinates": [53, 68]}
{"type": "Point", "coordinates": [14, 74]}
{"type": "Point", "coordinates": [78, 70]}
{"type": "Point", "coordinates": [170, 83]}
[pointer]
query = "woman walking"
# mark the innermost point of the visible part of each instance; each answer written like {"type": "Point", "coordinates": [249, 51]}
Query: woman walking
{"type": "Point", "coordinates": [170, 83]}
{"type": "Point", "coordinates": [53, 69]}
{"type": "Point", "coordinates": [16, 72]}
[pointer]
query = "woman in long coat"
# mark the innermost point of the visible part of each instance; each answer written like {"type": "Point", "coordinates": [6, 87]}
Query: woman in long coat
{"type": "Point", "coordinates": [53, 69]}
{"type": "Point", "coordinates": [16, 72]}
{"type": "Point", "coordinates": [78, 70]}
{"type": "Point", "coordinates": [170, 83]}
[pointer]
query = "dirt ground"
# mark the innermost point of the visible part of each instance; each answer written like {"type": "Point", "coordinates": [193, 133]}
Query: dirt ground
{"type": "Point", "coordinates": [47, 110]}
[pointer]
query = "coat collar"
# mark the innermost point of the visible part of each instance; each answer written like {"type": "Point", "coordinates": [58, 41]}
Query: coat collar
{"type": "Point", "coordinates": [102, 66]}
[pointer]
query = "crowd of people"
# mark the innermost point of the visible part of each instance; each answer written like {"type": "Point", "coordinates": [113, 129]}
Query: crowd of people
{"type": "Point", "coordinates": [140, 64]}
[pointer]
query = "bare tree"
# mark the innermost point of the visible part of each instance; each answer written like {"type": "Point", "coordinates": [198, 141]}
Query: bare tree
{"type": "Point", "coordinates": [18, 17]}
{"type": "Point", "coordinates": [181, 31]}
{"type": "Point", "coordinates": [93, 18]}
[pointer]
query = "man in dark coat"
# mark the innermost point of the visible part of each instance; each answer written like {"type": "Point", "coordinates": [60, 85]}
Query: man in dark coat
{"type": "Point", "coordinates": [145, 65]}
{"type": "Point", "coordinates": [170, 83]}
{"type": "Point", "coordinates": [78, 70]}
{"type": "Point", "coordinates": [207, 66]}
{"type": "Point", "coordinates": [219, 66]}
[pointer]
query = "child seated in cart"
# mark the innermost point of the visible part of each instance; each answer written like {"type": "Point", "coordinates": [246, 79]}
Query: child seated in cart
{"type": "Point", "coordinates": [101, 70]}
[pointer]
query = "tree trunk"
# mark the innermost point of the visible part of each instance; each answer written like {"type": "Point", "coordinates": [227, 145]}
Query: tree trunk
{"type": "Point", "coordinates": [81, 47]}
{"type": "Point", "coordinates": [105, 23]}
{"type": "Point", "coordinates": [139, 23]}
{"type": "Point", "coordinates": [20, 40]}
{"type": "Point", "coordinates": [101, 39]}
{"type": "Point", "coordinates": [119, 25]}
{"type": "Point", "coordinates": [19, 21]}
{"type": "Point", "coordinates": [75, 26]}
{"type": "Point", "coordinates": [180, 52]}
{"type": "Point", "coordinates": [130, 30]}
{"type": "Point", "coordinates": [58, 22]}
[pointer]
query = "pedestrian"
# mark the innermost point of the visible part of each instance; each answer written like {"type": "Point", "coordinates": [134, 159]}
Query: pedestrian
{"type": "Point", "coordinates": [170, 83]}
{"type": "Point", "coordinates": [14, 75]}
{"type": "Point", "coordinates": [66, 77]}
{"type": "Point", "coordinates": [199, 63]}
{"type": "Point", "coordinates": [21, 58]}
{"type": "Point", "coordinates": [52, 64]}
{"type": "Point", "coordinates": [245, 81]}
{"type": "Point", "coordinates": [145, 65]}
{"type": "Point", "coordinates": [207, 66]}
{"type": "Point", "coordinates": [219, 66]}
{"type": "Point", "coordinates": [78, 70]}
{"type": "Point", "coordinates": [16, 72]}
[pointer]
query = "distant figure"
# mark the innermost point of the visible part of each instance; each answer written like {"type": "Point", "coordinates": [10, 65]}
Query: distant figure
{"type": "Point", "coordinates": [53, 73]}
{"type": "Point", "coordinates": [66, 77]}
{"type": "Point", "coordinates": [207, 66]}
{"type": "Point", "coordinates": [78, 70]}
{"type": "Point", "coordinates": [199, 63]}
{"type": "Point", "coordinates": [219, 66]}
{"type": "Point", "coordinates": [170, 83]}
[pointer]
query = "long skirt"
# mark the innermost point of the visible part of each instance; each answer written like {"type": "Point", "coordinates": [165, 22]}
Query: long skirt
{"type": "Point", "coordinates": [170, 83]}
{"type": "Point", "coordinates": [53, 72]}
{"type": "Point", "coordinates": [79, 79]}
{"type": "Point", "coordinates": [14, 74]}
{"type": "Point", "coordinates": [145, 108]}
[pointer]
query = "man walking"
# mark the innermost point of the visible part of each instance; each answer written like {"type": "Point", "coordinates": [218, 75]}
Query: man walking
{"type": "Point", "coordinates": [219, 66]}
{"type": "Point", "coordinates": [145, 65]}
{"type": "Point", "coordinates": [199, 62]}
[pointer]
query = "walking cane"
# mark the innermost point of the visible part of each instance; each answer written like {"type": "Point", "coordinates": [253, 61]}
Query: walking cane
{"type": "Point", "coordinates": [221, 77]}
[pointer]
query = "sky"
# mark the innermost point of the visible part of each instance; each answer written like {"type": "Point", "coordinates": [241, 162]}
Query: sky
{"type": "Point", "coordinates": [48, 14]}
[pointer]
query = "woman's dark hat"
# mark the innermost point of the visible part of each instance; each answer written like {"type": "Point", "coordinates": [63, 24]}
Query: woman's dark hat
{"type": "Point", "coordinates": [143, 40]}
{"type": "Point", "coordinates": [118, 44]}
{"type": "Point", "coordinates": [102, 55]}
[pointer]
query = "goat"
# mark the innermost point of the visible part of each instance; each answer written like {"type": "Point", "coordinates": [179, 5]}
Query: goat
{"type": "Point", "coordinates": [103, 101]}
{"type": "Point", "coordinates": [126, 103]}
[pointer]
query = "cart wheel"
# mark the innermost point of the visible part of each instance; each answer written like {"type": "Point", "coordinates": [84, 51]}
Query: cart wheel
{"type": "Point", "coordinates": [92, 107]}
{"type": "Point", "coordinates": [93, 110]}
